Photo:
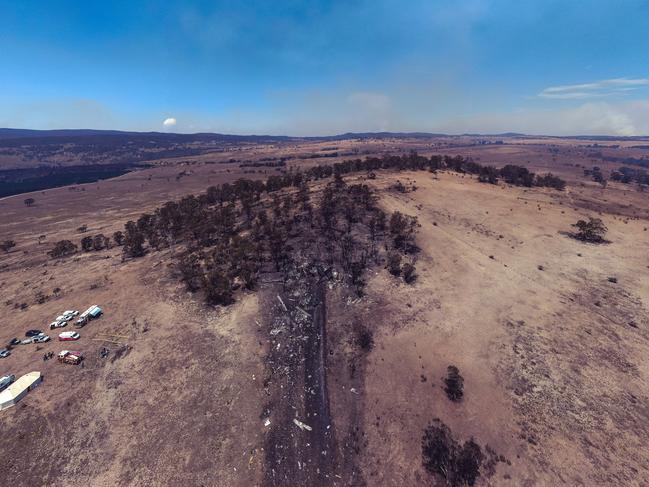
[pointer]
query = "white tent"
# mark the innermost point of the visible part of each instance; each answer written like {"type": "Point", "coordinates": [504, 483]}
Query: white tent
{"type": "Point", "coordinates": [19, 389]}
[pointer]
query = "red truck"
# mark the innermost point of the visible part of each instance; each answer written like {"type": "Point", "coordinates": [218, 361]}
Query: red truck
{"type": "Point", "coordinates": [68, 357]}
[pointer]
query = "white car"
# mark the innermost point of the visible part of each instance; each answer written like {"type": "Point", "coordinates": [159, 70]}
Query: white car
{"type": "Point", "coordinates": [4, 353]}
{"type": "Point", "coordinates": [58, 324]}
{"type": "Point", "coordinates": [70, 313]}
{"type": "Point", "coordinates": [36, 339]}
{"type": "Point", "coordinates": [41, 338]}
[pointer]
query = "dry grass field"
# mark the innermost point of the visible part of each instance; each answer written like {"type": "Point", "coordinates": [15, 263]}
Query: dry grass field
{"type": "Point", "coordinates": [550, 334]}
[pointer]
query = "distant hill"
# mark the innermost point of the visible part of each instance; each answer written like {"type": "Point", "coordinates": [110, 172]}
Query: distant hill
{"type": "Point", "coordinates": [12, 137]}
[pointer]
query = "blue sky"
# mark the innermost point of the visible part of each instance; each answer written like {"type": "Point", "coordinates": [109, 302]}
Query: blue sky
{"type": "Point", "coordinates": [317, 67]}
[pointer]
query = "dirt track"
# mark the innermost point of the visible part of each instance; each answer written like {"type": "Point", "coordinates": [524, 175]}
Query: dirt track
{"type": "Point", "coordinates": [301, 452]}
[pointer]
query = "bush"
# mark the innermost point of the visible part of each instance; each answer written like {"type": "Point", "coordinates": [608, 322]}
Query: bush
{"type": "Point", "coordinates": [364, 339]}
{"type": "Point", "coordinates": [592, 231]}
{"type": "Point", "coordinates": [217, 288]}
{"type": "Point", "coordinates": [86, 244]}
{"type": "Point", "coordinates": [118, 238]}
{"type": "Point", "coordinates": [100, 242]}
{"type": "Point", "coordinates": [454, 384]}
{"type": "Point", "coordinates": [7, 245]}
{"type": "Point", "coordinates": [394, 263]}
{"type": "Point", "coordinates": [408, 272]}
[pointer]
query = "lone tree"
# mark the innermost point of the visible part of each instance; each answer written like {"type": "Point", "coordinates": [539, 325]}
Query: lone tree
{"type": "Point", "coordinates": [29, 201]}
{"type": "Point", "coordinates": [7, 245]}
{"type": "Point", "coordinates": [592, 231]}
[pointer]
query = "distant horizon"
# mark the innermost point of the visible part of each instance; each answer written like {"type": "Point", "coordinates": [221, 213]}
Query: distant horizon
{"type": "Point", "coordinates": [324, 136]}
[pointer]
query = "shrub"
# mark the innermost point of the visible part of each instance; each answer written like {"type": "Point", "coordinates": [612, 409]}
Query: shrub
{"type": "Point", "coordinates": [100, 242]}
{"type": "Point", "coordinates": [394, 263]}
{"type": "Point", "coordinates": [7, 245]}
{"type": "Point", "coordinates": [364, 339]}
{"type": "Point", "coordinates": [454, 384]}
{"type": "Point", "coordinates": [29, 201]}
{"type": "Point", "coordinates": [217, 288]}
{"type": "Point", "coordinates": [86, 244]}
{"type": "Point", "coordinates": [408, 272]}
{"type": "Point", "coordinates": [118, 238]}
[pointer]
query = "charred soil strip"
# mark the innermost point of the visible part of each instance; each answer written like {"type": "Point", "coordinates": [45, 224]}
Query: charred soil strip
{"type": "Point", "coordinates": [300, 446]}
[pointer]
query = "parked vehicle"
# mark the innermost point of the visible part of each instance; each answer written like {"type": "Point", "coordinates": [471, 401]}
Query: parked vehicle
{"type": "Point", "coordinates": [58, 324]}
{"type": "Point", "coordinates": [33, 333]}
{"type": "Point", "coordinates": [14, 341]}
{"type": "Point", "coordinates": [70, 313]}
{"type": "Point", "coordinates": [91, 313]}
{"type": "Point", "coordinates": [68, 357]}
{"type": "Point", "coordinates": [27, 341]}
{"type": "Point", "coordinates": [69, 335]}
{"type": "Point", "coordinates": [42, 338]}
{"type": "Point", "coordinates": [4, 353]}
{"type": "Point", "coordinates": [6, 381]}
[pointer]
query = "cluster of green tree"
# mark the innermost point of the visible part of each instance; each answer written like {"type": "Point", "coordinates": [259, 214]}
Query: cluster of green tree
{"type": "Point", "coordinates": [511, 174]}
{"type": "Point", "coordinates": [597, 175]}
{"type": "Point", "coordinates": [98, 242]}
{"type": "Point", "coordinates": [628, 175]}
{"type": "Point", "coordinates": [280, 163]}
{"type": "Point", "coordinates": [456, 463]}
{"type": "Point", "coordinates": [514, 175]}
{"type": "Point", "coordinates": [62, 248]}
{"type": "Point", "coordinates": [230, 235]}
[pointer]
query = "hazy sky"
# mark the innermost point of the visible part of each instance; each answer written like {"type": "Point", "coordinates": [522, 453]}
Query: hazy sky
{"type": "Point", "coordinates": [324, 67]}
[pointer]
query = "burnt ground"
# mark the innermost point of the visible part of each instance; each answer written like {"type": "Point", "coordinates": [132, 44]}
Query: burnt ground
{"type": "Point", "coordinates": [300, 358]}
{"type": "Point", "coordinates": [296, 383]}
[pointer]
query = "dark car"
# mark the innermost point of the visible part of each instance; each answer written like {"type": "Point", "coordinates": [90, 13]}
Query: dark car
{"type": "Point", "coordinates": [14, 341]}
{"type": "Point", "coordinates": [33, 333]}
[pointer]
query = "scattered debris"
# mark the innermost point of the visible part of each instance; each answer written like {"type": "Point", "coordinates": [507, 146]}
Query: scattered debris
{"type": "Point", "coordinates": [301, 425]}
{"type": "Point", "coordinates": [282, 303]}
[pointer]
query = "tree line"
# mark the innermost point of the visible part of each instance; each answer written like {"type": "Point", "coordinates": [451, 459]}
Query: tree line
{"type": "Point", "coordinates": [230, 234]}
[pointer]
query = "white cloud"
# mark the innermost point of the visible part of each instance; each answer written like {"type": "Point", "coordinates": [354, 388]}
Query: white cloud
{"type": "Point", "coordinates": [169, 122]}
{"type": "Point", "coordinates": [597, 89]}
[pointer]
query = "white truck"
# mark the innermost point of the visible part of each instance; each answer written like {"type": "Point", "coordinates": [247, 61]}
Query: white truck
{"type": "Point", "coordinates": [93, 312]}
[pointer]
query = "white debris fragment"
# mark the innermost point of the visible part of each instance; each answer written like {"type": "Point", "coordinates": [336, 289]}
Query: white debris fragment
{"type": "Point", "coordinates": [267, 422]}
{"type": "Point", "coordinates": [301, 425]}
